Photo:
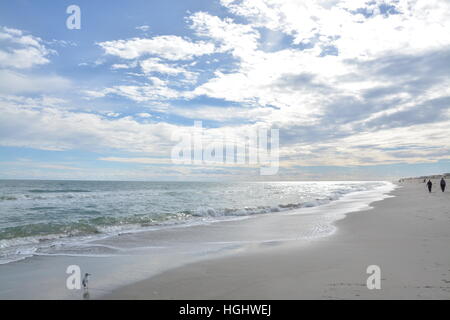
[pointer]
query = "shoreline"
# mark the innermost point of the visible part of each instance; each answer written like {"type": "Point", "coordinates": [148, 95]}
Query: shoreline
{"type": "Point", "coordinates": [406, 235]}
{"type": "Point", "coordinates": [84, 231]}
{"type": "Point", "coordinates": [147, 254]}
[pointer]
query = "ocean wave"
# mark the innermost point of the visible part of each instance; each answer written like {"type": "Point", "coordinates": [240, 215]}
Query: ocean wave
{"type": "Point", "coordinates": [29, 239]}
{"type": "Point", "coordinates": [47, 229]}
{"type": "Point", "coordinates": [205, 211]}
{"type": "Point", "coordinates": [109, 223]}
{"type": "Point", "coordinates": [7, 198]}
{"type": "Point", "coordinates": [58, 191]}
{"type": "Point", "coordinates": [17, 243]}
{"type": "Point", "coordinates": [86, 226]}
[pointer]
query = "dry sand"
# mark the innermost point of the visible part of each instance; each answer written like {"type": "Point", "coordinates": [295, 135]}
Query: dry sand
{"type": "Point", "coordinates": [407, 236]}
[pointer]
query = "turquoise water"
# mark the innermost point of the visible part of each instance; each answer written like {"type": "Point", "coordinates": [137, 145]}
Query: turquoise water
{"type": "Point", "coordinates": [38, 214]}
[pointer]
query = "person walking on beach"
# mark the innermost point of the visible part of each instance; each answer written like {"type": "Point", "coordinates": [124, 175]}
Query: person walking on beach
{"type": "Point", "coordinates": [443, 184]}
{"type": "Point", "coordinates": [429, 185]}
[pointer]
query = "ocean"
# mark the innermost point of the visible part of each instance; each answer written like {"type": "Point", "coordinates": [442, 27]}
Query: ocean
{"type": "Point", "coordinates": [47, 217]}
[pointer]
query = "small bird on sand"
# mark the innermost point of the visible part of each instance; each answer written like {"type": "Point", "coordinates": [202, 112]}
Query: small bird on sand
{"type": "Point", "coordinates": [85, 280]}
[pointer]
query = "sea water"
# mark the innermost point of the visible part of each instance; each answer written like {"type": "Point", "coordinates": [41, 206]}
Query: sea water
{"type": "Point", "coordinates": [45, 217]}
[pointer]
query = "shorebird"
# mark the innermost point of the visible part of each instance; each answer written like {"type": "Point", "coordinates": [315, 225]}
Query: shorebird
{"type": "Point", "coordinates": [85, 280]}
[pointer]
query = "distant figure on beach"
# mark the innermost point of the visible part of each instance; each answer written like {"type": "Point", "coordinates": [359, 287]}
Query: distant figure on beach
{"type": "Point", "coordinates": [443, 184]}
{"type": "Point", "coordinates": [430, 185]}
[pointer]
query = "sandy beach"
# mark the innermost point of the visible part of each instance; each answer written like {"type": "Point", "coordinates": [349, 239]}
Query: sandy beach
{"type": "Point", "coordinates": [224, 149]}
{"type": "Point", "coordinates": [406, 235]}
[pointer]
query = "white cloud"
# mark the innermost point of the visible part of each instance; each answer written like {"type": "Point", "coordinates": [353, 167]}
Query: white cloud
{"type": "Point", "coordinates": [222, 114]}
{"type": "Point", "coordinates": [144, 115]}
{"type": "Point", "coordinates": [22, 58]}
{"type": "Point", "coordinates": [240, 39]}
{"type": "Point", "coordinates": [113, 114]}
{"type": "Point", "coordinates": [142, 93]}
{"type": "Point", "coordinates": [51, 128]}
{"type": "Point", "coordinates": [167, 47]}
{"type": "Point", "coordinates": [411, 25]}
{"type": "Point", "coordinates": [144, 28]}
{"type": "Point", "coordinates": [12, 82]}
{"type": "Point", "coordinates": [138, 160]}
{"type": "Point", "coordinates": [155, 65]}
{"type": "Point", "coordinates": [122, 66]}
{"type": "Point", "coordinates": [43, 100]}
{"type": "Point", "coordinates": [21, 51]}
{"type": "Point", "coordinates": [304, 80]}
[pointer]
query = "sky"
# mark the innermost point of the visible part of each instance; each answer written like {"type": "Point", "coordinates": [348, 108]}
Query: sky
{"type": "Point", "coordinates": [358, 90]}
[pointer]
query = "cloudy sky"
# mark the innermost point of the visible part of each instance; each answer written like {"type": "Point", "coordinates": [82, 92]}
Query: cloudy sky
{"type": "Point", "coordinates": [357, 89]}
